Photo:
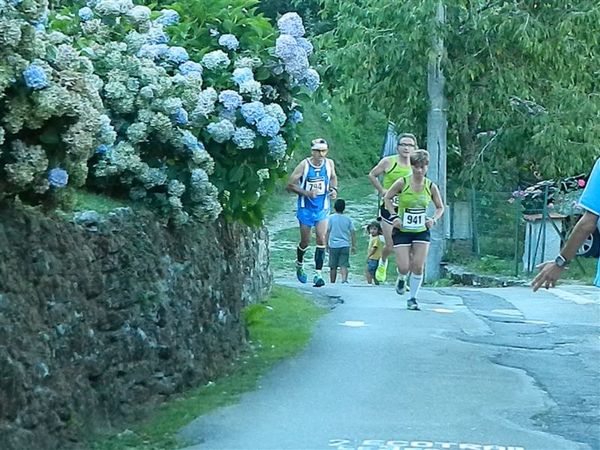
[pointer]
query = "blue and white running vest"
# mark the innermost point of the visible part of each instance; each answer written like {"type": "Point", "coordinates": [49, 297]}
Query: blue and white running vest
{"type": "Point", "coordinates": [315, 179]}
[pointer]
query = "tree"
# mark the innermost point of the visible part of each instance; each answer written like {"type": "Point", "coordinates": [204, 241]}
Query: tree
{"type": "Point", "coordinates": [521, 77]}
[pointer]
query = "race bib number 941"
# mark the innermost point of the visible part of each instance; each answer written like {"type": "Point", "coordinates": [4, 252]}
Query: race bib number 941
{"type": "Point", "coordinates": [316, 185]}
{"type": "Point", "coordinates": [413, 219]}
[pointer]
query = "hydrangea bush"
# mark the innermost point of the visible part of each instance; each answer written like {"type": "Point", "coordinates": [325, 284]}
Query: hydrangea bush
{"type": "Point", "coordinates": [247, 110]}
{"type": "Point", "coordinates": [189, 107]}
{"type": "Point", "coordinates": [50, 107]}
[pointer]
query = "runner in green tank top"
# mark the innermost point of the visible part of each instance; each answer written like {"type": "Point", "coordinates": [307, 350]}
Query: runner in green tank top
{"type": "Point", "coordinates": [392, 168]}
{"type": "Point", "coordinates": [411, 225]}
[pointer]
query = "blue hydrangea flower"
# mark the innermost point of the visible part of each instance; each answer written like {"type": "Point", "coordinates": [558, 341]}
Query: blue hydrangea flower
{"type": "Point", "coordinates": [167, 17]}
{"type": "Point", "coordinates": [152, 51]}
{"type": "Point", "coordinates": [253, 112]}
{"type": "Point", "coordinates": [286, 47]}
{"type": "Point", "coordinates": [190, 141]}
{"type": "Point", "coordinates": [215, 59]}
{"type": "Point", "coordinates": [35, 77]}
{"type": "Point", "coordinates": [180, 116]}
{"type": "Point", "coordinates": [242, 75]}
{"type": "Point", "coordinates": [305, 45]}
{"type": "Point", "coordinates": [156, 35]}
{"type": "Point", "coordinates": [297, 66]}
{"type": "Point", "coordinates": [229, 41]}
{"type": "Point", "coordinates": [244, 138]}
{"type": "Point", "coordinates": [190, 67]}
{"type": "Point", "coordinates": [268, 126]}
{"type": "Point", "coordinates": [296, 117]}
{"type": "Point", "coordinates": [85, 14]}
{"type": "Point", "coordinates": [58, 178]}
{"type": "Point", "coordinates": [221, 131]}
{"type": "Point", "coordinates": [276, 111]}
{"type": "Point", "coordinates": [102, 149]}
{"type": "Point", "coordinates": [177, 55]}
{"type": "Point", "coordinates": [291, 23]}
{"type": "Point", "coordinates": [230, 99]}
{"type": "Point", "coordinates": [139, 14]}
{"type": "Point", "coordinates": [277, 147]}
{"type": "Point", "coordinates": [312, 80]}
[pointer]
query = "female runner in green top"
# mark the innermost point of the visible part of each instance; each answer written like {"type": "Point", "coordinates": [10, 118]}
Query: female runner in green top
{"type": "Point", "coordinates": [410, 223]}
{"type": "Point", "coordinates": [393, 168]}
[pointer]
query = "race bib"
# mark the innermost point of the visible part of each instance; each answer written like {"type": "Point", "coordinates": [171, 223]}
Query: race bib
{"type": "Point", "coordinates": [395, 201]}
{"type": "Point", "coordinates": [413, 219]}
{"type": "Point", "coordinates": [316, 185]}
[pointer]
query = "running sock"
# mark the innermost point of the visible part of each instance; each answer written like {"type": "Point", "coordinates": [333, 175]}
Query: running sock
{"type": "Point", "coordinates": [319, 257]}
{"type": "Point", "coordinates": [415, 284]}
{"type": "Point", "coordinates": [300, 254]}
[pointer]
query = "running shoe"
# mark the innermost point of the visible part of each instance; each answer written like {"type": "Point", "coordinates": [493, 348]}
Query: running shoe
{"type": "Point", "coordinates": [301, 274]}
{"type": "Point", "coordinates": [318, 281]}
{"type": "Point", "coordinates": [400, 286]}
{"type": "Point", "coordinates": [381, 272]}
{"type": "Point", "coordinates": [412, 304]}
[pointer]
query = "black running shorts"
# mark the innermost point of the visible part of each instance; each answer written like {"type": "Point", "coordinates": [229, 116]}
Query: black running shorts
{"type": "Point", "coordinates": [407, 238]}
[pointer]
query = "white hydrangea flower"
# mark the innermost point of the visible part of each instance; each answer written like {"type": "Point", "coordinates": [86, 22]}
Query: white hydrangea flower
{"type": "Point", "coordinates": [217, 59]}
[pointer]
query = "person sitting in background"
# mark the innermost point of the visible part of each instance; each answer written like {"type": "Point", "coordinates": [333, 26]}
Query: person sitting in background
{"type": "Point", "coordinates": [550, 271]}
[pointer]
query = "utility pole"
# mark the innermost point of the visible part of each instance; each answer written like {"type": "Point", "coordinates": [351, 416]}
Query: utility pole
{"type": "Point", "coordinates": [436, 141]}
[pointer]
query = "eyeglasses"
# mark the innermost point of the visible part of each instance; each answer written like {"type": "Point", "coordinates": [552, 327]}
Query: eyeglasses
{"type": "Point", "coordinates": [324, 150]}
{"type": "Point", "coordinates": [404, 144]}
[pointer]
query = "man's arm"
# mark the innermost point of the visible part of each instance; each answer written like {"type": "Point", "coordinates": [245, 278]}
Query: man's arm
{"type": "Point", "coordinates": [550, 272]}
{"type": "Point", "coordinates": [292, 184]}
{"type": "Point", "coordinates": [333, 181]}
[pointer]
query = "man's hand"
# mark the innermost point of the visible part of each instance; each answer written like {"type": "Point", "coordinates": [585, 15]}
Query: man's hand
{"type": "Point", "coordinates": [548, 276]}
{"type": "Point", "coordinates": [311, 194]}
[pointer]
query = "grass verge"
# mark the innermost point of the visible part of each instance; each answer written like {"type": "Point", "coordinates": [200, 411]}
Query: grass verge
{"type": "Point", "coordinates": [279, 328]}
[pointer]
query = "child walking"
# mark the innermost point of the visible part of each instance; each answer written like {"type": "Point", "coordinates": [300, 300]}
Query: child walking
{"type": "Point", "coordinates": [374, 252]}
{"type": "Point", "coordinates": [341, 238]}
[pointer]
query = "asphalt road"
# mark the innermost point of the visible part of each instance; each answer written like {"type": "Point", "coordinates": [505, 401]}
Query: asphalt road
{"type": "Point", "coordinates": [475, 369]}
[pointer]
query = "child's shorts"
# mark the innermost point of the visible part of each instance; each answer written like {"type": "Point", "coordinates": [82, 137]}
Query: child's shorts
{"type": "Point", "coordinates": [339, 257]}
{"type": "Point", "coordinates": [372, 265]}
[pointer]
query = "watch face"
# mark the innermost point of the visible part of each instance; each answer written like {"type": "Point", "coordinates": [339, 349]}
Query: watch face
{"type": "Point", "coordinates": [560, 261]}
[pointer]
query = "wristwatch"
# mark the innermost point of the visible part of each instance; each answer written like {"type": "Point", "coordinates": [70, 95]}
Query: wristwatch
{"type": "Point", "coordinates": [560, 261]}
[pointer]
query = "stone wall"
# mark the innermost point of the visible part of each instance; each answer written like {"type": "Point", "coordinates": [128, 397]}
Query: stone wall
{"type": "Point", "coordinates": [103, 317]}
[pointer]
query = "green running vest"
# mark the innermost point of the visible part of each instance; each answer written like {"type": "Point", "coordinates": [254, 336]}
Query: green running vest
{"type": "Point", "coordinates": [413, 205]}
{"type": "Point", "coordinates": [396, 173]}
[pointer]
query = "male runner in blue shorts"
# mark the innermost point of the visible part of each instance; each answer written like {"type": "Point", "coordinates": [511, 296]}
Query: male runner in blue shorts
{"type": "Point", "coordinates": [550, 271]}
{"type": "Point", "coordinates": [315, 182]}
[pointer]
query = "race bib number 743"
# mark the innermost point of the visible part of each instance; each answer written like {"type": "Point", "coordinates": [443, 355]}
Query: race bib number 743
{"type": "Point", "coordinates": [413, 219]}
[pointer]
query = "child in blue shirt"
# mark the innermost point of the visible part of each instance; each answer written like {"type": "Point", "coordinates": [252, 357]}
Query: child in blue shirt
{"type": "Point", "coordinates": [341, 239]}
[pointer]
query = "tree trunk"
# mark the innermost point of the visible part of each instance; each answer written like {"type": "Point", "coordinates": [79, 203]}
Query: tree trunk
{"type": "Point", "coordinates": [436, 145]}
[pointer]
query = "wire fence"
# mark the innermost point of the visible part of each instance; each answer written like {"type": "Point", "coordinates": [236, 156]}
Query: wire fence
{"type": "Point", "coordinates": [508, 233]}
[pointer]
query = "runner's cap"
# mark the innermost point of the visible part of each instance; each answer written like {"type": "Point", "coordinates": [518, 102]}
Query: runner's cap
{"type": "Point", "coordinates": [319, 144]}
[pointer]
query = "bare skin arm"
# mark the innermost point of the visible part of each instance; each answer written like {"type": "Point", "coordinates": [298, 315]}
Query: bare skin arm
{"type": "Point", "coordinates": [391, 193]}
{"type": "Point", "coordinates": [333, 181]}
{"type": "Point", "coordinates": [549, 271]}
{"type": "Point", "coordinates": [439, 206]}
{"type": "Point", "coordinates": [381, 167]}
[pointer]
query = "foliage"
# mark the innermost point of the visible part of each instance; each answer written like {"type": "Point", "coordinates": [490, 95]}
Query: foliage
{"type": "Point", "coordinates": [163, 119]}
{"type": "Point", "coordinates": [520, 78]}
{"type": "Point", "coordinates": [50, 107]}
